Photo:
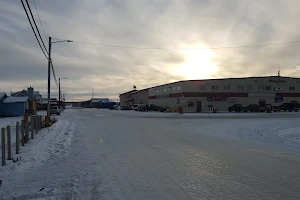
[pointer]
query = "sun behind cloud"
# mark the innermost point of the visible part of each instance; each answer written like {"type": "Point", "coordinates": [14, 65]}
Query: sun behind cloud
{"type": "Point", "coordinates": [198, 64]}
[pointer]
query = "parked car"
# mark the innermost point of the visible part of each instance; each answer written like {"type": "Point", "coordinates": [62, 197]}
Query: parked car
{"type": "Point", "coordinates": [143, 108]}
{"type": "Point", "coordinates": [150, 107]}
{"type": "Point", "coordinates": [268, 108]}
{"type": "Point", "coordinates": [290, 107]}
{"type": "Point", "coordinates": [125, 107]}
{"type": "Point", "coordinates": [115, 107]}
{"type": "Point", "coordinates": [275, 108]}
{"type": "Point", "coordinates": [251, 108]}
{"type": "Point", "coordinates": [153, 107]}
{"type": "Point", "coordinates": [54, 110]}
{"type": "Point", "coordinates": [135, 106]}
{"type": "Point", "coordinates": [236, 108]}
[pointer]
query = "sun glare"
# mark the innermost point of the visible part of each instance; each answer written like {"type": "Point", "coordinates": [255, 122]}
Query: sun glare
{"type": "Point", "coordinates": [198, 64]}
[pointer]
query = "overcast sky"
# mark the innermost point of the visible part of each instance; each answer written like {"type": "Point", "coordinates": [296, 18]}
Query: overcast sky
{"type": "Point", "coordinates": [178, 27]}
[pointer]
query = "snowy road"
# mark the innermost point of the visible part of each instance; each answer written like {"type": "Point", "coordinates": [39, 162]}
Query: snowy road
{"type": "Point", "coordinates": [127, 155]}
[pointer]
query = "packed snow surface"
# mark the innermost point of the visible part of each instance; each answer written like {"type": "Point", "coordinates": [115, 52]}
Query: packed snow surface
{"type": "Point", "coordinates": [104, 154]}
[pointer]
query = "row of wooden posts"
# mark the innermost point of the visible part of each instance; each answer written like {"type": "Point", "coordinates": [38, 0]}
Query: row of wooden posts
{"type": "Point", "coordinates": [22, 135]}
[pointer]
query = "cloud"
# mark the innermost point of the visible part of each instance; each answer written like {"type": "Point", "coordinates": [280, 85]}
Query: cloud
{"type": "Point", "coordinates": [169, 24]}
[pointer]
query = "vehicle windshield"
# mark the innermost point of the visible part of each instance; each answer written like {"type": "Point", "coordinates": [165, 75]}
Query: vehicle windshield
{"type": "Point", "coordinates": [150, 99]}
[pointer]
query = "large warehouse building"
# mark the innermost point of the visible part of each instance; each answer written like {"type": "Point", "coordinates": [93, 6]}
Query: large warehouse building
{"type": "Point", "coordinates": [206, 95]}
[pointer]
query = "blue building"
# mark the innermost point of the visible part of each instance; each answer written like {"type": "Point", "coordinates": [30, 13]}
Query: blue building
{"type": "Point", "coordinates": [13, 106]}
{"type": "Point", "coordinates": [2, 96]}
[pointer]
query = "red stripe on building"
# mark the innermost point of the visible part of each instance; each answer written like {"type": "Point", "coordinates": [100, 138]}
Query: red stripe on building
{"type": "Point", "coordinates": [204, 94]}
{"type": "Point", "coordinates": [288, 94]}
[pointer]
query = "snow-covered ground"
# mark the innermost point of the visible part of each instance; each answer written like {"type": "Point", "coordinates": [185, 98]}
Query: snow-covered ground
{"type": "Point", "coordinates": [103, 154]}
{"type": "Point", "coordinates": [9, 121]}
{"type": "Point", "coordinates": [280, 129]}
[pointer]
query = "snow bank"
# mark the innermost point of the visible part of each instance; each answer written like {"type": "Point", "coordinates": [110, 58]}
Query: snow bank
{"type": "Point", "coordinates": [279, 132]}
{"type": "Point", "coordinates": [47, 144]}
{"type": "Point", "coordinates": [4, 122]}
{"type": "Point", "coordinates": [198, 115]}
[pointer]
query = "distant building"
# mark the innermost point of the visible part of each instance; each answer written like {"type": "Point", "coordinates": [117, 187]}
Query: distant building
{"type": "Point", "coordinates": [125, 98]}
{"type": "Point", "coordinates": [207, 95]}
{"type": "Point", "coordinates": [14, 106]}
{"type": "Point", "coordinates": [134, 97]}
{"type": "Point", "coordinates": [94, 102]}
{"type": "Point", "coordinates": [24, 93]}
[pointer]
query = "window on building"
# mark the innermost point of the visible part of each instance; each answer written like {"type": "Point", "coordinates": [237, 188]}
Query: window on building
{"type": "Point", "coordinates": [174, 88]}
{"type": "Point", "coordinates": [178, 100]}
{"type": "Point", "coordinates": [202, 87]}
{"type": "Point", "coordinates": [215, 87]}
{"type": "Point", "coordinates": [191, 104]}
{"type": "Point", "coordinates": [168, 89]}
{"type": "Point", "coordinates": [260, 87]}
{"type": "Point", "coordinates": [178, 87]}
{"type": "Point", "coordinates": [159, 90]}
{"type": "Point", "coordinates": [249, 87]}
{"type": "Point", "coordinates": [292, 88]}
{"type": "Point", "coordinates": [268, 88]}
{"type": "Point", "coordinates": [165, 89]}
{"type": "Point", "coordinates": [226, 87]}
{"type": "Point", "coordinates": [156, 90]}
{"type": "Point", "coordinates": [240, 87]}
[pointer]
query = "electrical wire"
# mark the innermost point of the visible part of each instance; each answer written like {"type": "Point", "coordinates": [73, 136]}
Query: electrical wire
{"type": "Point", "coordinates": [40, 19]}
{"type": "Point", "coordinates": [159, 48]}
{"type": "Point", "coordinates": [53, 72]}
{"type": "Point", "coordinates": [36, 25]}
{"type": "Point", "coordinates": [33, 28]}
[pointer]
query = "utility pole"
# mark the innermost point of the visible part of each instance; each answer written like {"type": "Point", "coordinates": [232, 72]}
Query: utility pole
{"type": "Point", "coordinates": [59, 103]}
{"type": "Point", "coordinates": [49, 65]}
{"type": "Point", "coordinates": [59, 92]}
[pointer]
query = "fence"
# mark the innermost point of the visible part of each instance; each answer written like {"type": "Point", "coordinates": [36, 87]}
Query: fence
{"type": "Point", "coordinates": [24, 131]}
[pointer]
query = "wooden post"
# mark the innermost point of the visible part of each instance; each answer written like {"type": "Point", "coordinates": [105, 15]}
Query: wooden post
{"type": "Point", "coordinates": [32, 126]}
{"type": "Point", "coordinates": [41, 122]}
{"type": "Point", "coordinates": [9, 154]}
{"type": "Point", "coordinates": [23, 132]}
{"type": "Point", "coordinates": [3, 146]}
{"type": "Point", "coordinates": [26, 131]}
{"type": "Point", "coordinates": [17, 138]}
{"type": "Point", "coordinates": [36, 124]}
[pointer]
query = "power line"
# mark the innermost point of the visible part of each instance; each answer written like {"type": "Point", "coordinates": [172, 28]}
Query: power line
{"type": "Point", "coordinates": [36, 25]}
{"type": "Point", "coordinates": [53, 72]}
{"type": "Point", "coordinates": [33, 28]}
{"type": "Point", "coordinates": [40, 19]}
{"type": "Point", "coordinates": [160, 48]}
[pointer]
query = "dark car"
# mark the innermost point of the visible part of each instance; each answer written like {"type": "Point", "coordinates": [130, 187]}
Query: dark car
{"type": "Point", "coordinates": [276, 108]}
{"type": "Point", "coordinates": [251, 108]}
{"type": "Point", "coordinates": [142, 108]}
{"type": "Point", "coordinates": [115, 107]}
{"type": "Point", "coordinates": [236, 108]}
{"type": "Point", "coordinates": [290, 107]}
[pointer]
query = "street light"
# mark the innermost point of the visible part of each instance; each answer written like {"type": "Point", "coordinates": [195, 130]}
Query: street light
{"type": "Point", "coordinates": [59, 92]}
{"type": "Point", "coordinates": [49, 64]}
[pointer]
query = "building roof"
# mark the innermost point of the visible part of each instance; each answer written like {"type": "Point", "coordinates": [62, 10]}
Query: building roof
{"type": "Point", "coordinates": [223, 79]}
{"type": "Point", "coordinates": [96, 100]}
{"type": "Point", "coordinates": [131, 91]}
{"type": "Point", "coordinates": [19, 93]}
{"type": "Point", "coordinates": [15, 99]}
{"type": "Point", "coordinates": [2, 94]}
